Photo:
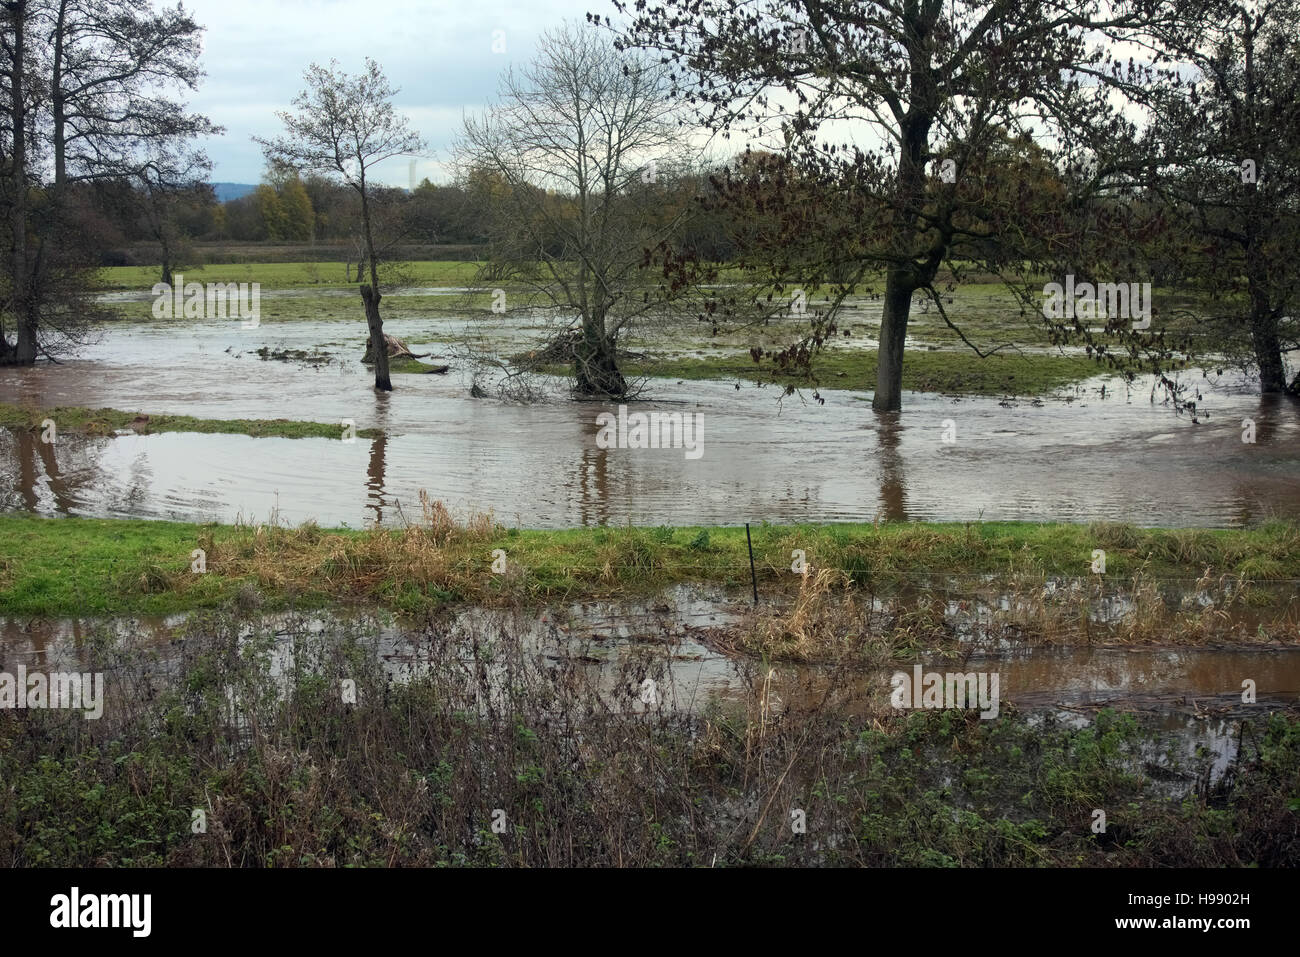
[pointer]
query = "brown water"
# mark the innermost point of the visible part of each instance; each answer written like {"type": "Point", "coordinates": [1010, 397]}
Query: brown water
{"type": "Point", "coordinates": [605, 635]}
{"type": "Point", "coordinates": [1191, 696]}
{"type": "Point", "coordinates": [1110, 456]}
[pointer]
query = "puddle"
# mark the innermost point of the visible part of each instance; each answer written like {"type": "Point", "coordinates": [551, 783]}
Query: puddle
{"type": "Point", "coordinates": [1191, 695]}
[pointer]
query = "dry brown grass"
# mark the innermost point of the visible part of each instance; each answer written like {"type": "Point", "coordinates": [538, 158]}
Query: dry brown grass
{"type": "Point", "coordinates": [429, 551]}
{"type": "Point", "coordinates": [829, 620]}
{"type": "Point", "coordinates": [1213, 608]}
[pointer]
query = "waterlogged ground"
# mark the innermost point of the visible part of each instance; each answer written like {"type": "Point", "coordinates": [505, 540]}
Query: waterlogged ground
{"type": "Point", "coordinates": [1172, 655]}
{"type": "Point", "coordinates": [1189, 698]}
{"type": "Point", "coordinates": [1100, 452]}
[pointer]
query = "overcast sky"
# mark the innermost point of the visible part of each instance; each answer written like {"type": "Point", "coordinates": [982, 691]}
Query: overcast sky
{"type": "Point", "coordinates": [438, 52]}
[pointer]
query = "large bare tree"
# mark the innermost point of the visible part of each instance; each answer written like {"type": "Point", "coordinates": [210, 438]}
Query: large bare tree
{"type": "Point", "coordinates": [342, 128]}
{"type": "Point", "coordinates": [14, 137]}
{"type": "Point", "coordinates": [576, 158]}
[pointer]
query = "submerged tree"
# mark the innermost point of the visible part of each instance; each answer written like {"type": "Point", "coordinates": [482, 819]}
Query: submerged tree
{"type": "Point", "coordinates": [895, 112]}
{"type": "Point", "coordinates": [342, 128]}
{"type": "Point", "coordinates": [165, 190]}
{"type": "Point", "coordinates": [1224, 154]}
{"type": "Point", "coordinates": [575, 161]}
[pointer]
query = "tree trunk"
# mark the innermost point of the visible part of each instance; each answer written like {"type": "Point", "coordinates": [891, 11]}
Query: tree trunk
{"type": "Point", "coordinates": [370, 295]}
{"type": "Point", "coordinates": [1263, 336]}
{"type": "Point", "coordinates": [909, 199]}
{"type": "Point", "coordinates": [901, 282]}
{"type": "Point", "coordinates": [24, 352]}
{"type": "Point", "coordinates": [28, 328]}
{"type": "Point", "coordinates": [1268, 354]}
{"type": "Point", "coordinates": [595, 364]}
{"type": "Point", "coordinates": [893, 334]}
{"type": "Point", "coordinates": [58, 106]}
{"type": "Point", "coordinates": [166, 258]}
{"type": "Point", "coordinates": [378, 348]}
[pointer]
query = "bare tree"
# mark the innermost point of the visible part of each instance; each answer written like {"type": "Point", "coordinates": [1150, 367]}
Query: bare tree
{"type": "Point", "coordinates": [174, 181]}
{"type": "Point", "coordinates": [574, 159]}
{"type": "Point", "coordinates": [18, 301]}
{"type": "Point", "coordinates": [344, 126]}
{"type": "Point", "coordinates": [110, 62]}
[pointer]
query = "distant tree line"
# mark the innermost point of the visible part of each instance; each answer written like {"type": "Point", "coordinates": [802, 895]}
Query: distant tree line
{"type": "Point", "coordinates": [288, 207]}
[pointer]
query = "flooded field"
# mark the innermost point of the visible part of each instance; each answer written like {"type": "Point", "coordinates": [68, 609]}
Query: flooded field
{"type": "Point", "coordinates": [606, 635]}
{"type": "Point", "coordinates": [1103, 452]}
{"type": "Point", "coordinates": [689, 713]}
{"type": "Point", "coordinates": [795, 435]}
{"type": "Point", "coordinates": [1189, 698]}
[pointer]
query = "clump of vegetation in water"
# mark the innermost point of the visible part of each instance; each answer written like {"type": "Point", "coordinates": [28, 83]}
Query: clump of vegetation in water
{"type": "Point", "coordinates": [82, 421]}
{"type": "Point", "coordinates": [828, 619]}
{"type": "Point", "coordinates": [313, 359]}
{"type": "Point", "coordinates": [408, 365]}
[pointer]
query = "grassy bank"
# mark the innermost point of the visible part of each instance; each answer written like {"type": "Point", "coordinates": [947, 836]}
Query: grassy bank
{"type": "Point", "coordinates": [951, 372]}
{"type": "Point", "coordinates": [82, 421]}
{"type": "Point", "coordinates": [418, 771]}
{"type": "Point", "coordinates": [74, 566]}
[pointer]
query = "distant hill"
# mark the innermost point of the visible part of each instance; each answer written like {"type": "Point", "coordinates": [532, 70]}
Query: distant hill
{"type": "Point", "coordinates": [228, 191]}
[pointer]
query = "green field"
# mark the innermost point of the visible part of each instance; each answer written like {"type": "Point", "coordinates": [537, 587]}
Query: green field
{"type": "Point", "coordinates": [287, 275]}
{"type": "Point", "coordinates": [939, 371]}
{"type": "Point", "coordinates": [1023, 361]}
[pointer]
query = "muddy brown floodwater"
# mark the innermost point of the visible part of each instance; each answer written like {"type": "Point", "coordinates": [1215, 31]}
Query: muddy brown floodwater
{"type": "Point", "coordinates": [605, 634]}
{"type": "Point", "coordinates": [1191, 695]}
{"type": "Point", "coordinates": [1112, 455]}
{"type": "Point", "coordinates": [1096, 453]}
